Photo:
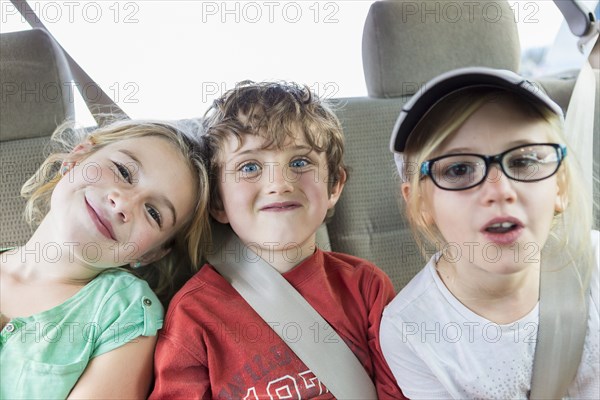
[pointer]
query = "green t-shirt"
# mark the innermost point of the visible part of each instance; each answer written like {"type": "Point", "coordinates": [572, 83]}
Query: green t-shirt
{"type": "Point", "coordinates": [43, 356]}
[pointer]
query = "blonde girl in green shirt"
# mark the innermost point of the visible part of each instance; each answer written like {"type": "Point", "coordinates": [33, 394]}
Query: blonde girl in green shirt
{"type": "Point", "coordinates": [128, 199]}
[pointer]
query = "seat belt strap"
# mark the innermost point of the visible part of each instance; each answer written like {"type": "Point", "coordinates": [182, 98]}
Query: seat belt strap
{"type": "Point", "coordinates": [564, 296]}
{"type": "Point", "coordinates": [579, 121]}
{"type": "Point", "coordinates": [102, 107]}
{"type": "Point", "coordinates": [563, 314]}
{"type": "Point", "coordinates": [280, 305]}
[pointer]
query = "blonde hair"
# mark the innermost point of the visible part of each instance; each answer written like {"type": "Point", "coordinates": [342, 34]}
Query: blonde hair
{"type": "Point", "coordinates": [273, 111]}
{"type": "Point", "coordinates": [188, 244]}
{"type": "Point", "coordinates": [570, 232]}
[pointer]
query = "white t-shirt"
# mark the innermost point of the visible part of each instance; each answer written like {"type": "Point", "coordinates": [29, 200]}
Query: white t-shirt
{"type": "Point", "coordinates": [438, 348]}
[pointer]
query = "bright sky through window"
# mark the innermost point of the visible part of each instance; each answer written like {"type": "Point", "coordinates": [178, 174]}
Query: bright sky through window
{"type": "Point", "coordinates": [170, 59]}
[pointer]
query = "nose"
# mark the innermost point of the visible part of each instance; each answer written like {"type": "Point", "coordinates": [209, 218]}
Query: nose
{"type": "Point", "coordinates": [279, 181]}
{"type": "Point", "coordinates": [497, 187]}
{"type": "Point", "coordinates": [120, 204]}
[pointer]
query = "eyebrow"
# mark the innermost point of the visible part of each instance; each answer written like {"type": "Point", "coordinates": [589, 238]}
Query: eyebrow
{"type": "Point", "coordinates": [461, 150]}
{"type": "Point", "coordinates": [161, 198]}
{"type": "Point", "coordinates": [131, 155]}
{"type": "Point", "coordinates": [458, 150]}
{"type": "Point", "coordinates": [308, 149]}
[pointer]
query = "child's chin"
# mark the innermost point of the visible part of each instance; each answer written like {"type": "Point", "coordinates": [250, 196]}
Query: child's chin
{"type": "Point", "coordinates": [506, 267]}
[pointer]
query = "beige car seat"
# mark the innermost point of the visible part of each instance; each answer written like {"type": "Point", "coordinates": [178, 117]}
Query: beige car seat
{"type": "Point", "coordinates": [36, 97]}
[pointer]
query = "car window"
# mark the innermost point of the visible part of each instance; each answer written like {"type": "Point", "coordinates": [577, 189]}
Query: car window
{"type": "Point", "coordinates": [170, 59]}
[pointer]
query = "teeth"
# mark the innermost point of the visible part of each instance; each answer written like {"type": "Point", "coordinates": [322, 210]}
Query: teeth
{"type": "Point", "coordinates": [502, 225]}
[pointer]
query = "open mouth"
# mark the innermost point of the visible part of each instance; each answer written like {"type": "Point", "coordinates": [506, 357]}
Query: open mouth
{"type": "Point", "coordinates": [503, 231]}
{"type": "Point", "coordinates": [502, 227]}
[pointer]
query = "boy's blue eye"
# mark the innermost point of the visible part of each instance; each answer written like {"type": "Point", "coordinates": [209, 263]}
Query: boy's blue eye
{"type": "Point", "coordinates": [299, 163]}
{"type": "Point", "coordinates": [249, 168]}
{"type": "Point", "coordinates": [123, 171]}
{"type": "Point", "coordinates": [154, 214]}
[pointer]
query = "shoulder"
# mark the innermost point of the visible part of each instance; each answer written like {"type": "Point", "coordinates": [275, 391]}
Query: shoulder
{"type": "Point", "coordinates": [127, 285]}
{"type": "Point", "coordinates": [123, 295]}
{"type": "Point", "coordinates": [351, 264]}
{"type": "Point", "coordinates": [418, 294]}
{"type": "Point", "coordinates": [207, 279]}
{"type": "Point", "coordinates": [357, 274]}
{"type": "Point", "coordinates": [204, 291]}
{"type": "Point", "coordinates": [204, 305]}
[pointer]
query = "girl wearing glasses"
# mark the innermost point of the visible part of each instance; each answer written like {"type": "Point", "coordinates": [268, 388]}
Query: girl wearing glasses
{"type": "Point", "coordinates": [489, 190]}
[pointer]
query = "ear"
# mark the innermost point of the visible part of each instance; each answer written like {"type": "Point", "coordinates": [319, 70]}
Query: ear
{"type": "Point", "coordinates": [561, 201]}
{"type": "Point", "coordinates": [337, 188]}
{"type": "Point", "coordinates": [220, 215]}
{"type": "Point", "coordinates": [154, 255]}
{"type": "Point", "coordinates": [405, 188]}
{"type": "Point", "coordinates": [79, 151]}
{"type": "Point", "coordinates": [217, 208]}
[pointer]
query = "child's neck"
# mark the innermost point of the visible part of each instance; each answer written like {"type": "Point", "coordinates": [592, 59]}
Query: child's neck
{"type": "Point", "coordinates": [29, 284]}
{"type": "Point", "coordinates": [28, 264]}
{"type": "Point", "coordinates": [284, 260]}
{"type": "Point", "coordinates": [502, 299]}
{"type": "Point", "coordinates": [44, 257]}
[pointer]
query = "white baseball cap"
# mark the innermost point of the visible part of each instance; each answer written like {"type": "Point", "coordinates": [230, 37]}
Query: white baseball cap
{"type": "Point", "coordinates": [449, 82]}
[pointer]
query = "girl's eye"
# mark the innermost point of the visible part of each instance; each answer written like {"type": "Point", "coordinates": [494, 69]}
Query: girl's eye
{"type": "Point", "coordinates": [153, 212]}
{"type": "Point", "coordinates": [123, 171]}
{"type": "Point", "coordinates": [249, 168]}
{"type": "Point", "coordinates": [523, 161]}
{"type": "Point", "coordinates": [458, 169]}
{"type": "Point", "coordinates": [299, 163]}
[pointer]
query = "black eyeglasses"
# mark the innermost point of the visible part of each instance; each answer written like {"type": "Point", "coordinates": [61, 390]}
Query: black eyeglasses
{"type": "Point", "coordinates": [526, 163]}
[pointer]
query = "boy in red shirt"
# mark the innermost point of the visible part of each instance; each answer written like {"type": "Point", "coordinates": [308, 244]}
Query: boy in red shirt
{"type": "Point", "coordinates": [277, 164]}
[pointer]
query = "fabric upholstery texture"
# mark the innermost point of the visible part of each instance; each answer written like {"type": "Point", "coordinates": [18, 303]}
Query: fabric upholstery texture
{"type": "Point", "coordinates": [19, 160]}
{"type": "Point", "coordinates": [368, 220]}
{"type": "Point", "coordinates": [36, 98]}
{"type": "Point", "coordinates": [35, 80]}
{"type": "Point", "coordinates": [406, 43]}
{"type": "Point", "coordinates": [559, 87]}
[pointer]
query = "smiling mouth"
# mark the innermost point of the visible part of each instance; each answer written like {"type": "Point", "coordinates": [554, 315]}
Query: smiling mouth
{"type": "Point", "coordinates": [285, 206]}
{"type": "Point", "coordinates": [101, 224]}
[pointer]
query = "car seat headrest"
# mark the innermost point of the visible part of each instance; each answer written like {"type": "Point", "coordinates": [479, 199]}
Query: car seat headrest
{"type": "Point", "coordinates": [407, 43]}
{"type": "Point", "coordinates": [35, 81]}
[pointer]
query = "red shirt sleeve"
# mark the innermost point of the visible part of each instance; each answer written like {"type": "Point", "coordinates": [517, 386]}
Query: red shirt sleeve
{"type": "Point", "coordinates": [178, 375]}
{"type": "Point", "coordinates": [379, 292]}
{"type": "Point", "coordinates": [180, 367]}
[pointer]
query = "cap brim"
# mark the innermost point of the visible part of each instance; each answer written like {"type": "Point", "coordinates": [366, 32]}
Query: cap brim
{"type": "Point", "coordinates": [458, 79]}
